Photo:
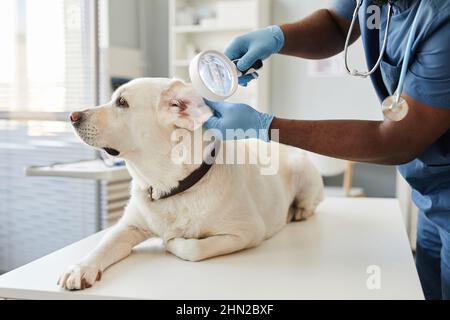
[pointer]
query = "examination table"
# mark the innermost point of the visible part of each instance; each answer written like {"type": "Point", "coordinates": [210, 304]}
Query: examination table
{"type": "Point", "coordinates": [351, 249]}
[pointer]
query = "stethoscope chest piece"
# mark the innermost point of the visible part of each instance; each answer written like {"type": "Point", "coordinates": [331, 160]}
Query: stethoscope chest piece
{"type": "Point", "coordinates": [394, 108]}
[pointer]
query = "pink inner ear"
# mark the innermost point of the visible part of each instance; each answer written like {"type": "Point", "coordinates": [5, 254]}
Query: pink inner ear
{"type": "Point", "coordinates": [181, 104]}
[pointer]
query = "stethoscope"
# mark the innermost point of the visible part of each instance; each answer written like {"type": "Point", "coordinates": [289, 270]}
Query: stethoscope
{"type": "Point", "coordinates": [394, 107]}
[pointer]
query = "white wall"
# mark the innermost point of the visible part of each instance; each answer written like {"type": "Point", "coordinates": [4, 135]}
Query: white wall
{"type": "Point", "coordinates": [138, 31]}
{"type": "Point", "coordinates": [124, 23]}
{"type": "Point", "coordinates": [297, 95]}
{"type": "Point", "coordinates": [157, 51]}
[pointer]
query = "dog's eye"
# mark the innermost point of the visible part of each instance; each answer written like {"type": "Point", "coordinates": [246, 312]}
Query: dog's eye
{"type": "Point", "coordinates": [122, 103]}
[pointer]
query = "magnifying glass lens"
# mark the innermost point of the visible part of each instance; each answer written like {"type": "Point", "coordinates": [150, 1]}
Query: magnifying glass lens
{"type": "Point", "coordinates": [216, 74]}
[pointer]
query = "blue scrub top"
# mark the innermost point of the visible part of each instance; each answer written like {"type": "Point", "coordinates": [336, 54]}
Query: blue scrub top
{"type": "Point", "coordinates": [427, 81]}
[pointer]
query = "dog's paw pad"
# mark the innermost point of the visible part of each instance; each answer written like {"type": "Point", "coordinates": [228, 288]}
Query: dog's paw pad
{"type": "Point", "coordinates": [79, 277]}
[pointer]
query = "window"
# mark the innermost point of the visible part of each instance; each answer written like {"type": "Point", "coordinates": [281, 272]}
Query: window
{"type": "Point", "coordinates": [48, 68]}
{"type": "Point", "coordinates": [48, 56]}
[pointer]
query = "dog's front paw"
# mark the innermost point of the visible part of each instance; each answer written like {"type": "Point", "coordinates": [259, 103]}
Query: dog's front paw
{"type": "Point", "coordinates": [79, 277]}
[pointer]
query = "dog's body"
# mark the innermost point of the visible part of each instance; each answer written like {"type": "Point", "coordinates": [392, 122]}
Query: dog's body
{"type": "Point", "coordinates": [233, 207]}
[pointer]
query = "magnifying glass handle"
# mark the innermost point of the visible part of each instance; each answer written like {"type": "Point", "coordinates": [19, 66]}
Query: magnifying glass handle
{"type": "Point", "coordinates": [255, 67]}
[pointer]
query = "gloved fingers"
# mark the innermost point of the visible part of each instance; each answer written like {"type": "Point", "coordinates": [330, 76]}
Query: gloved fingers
{"type": "Point", "coordinates": [245, 80]}
{"type": "Point", "coordinates": [234, 50]}
{"type": "Point", "coordinates": [212, 123]}
{"type": "Point", "coordinates": [218, 107]}
{"type": "Point", "coordinates": [248, 60]}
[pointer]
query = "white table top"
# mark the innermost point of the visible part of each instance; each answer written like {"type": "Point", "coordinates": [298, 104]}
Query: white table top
{"type": "Point", "coordinates": [325, 257]}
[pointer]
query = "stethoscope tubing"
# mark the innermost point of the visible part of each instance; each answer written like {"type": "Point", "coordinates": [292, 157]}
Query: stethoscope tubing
{"type": "Point", "coordinates": [408, 51]}
{"type": "Point", "coordinates": [355, 72]}
{"type": "Point", "coordinates": [394, 108]}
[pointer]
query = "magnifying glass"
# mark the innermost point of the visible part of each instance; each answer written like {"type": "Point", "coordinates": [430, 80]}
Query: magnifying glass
{"type": "Point", "coordinates": [215, 76]}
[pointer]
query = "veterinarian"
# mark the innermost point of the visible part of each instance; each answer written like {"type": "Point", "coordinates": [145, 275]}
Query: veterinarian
{"type": "Point", "coordinates": [419, 143]}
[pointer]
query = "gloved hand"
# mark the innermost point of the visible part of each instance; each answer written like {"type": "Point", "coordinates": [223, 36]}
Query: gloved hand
{"type": "Point", "coordinates": [254, 46]}
{"type": "Point", "coordinates": [229, 117]}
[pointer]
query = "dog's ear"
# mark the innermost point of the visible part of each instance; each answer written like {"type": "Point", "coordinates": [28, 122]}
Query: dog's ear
{"type": "Point", "coordinates": [183, 107]}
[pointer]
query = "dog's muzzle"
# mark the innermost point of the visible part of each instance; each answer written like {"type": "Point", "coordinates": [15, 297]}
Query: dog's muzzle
{"type": "Point", "coordinates": [88, 134]}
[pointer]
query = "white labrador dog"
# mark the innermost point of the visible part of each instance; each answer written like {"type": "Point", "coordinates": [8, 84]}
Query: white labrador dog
{"type": "Point", "coordinates": [229, 208]}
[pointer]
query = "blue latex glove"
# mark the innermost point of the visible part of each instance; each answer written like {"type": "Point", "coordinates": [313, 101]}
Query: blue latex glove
{"type": "Point", "coordinates": [254, 46]}
{"type": "Point", "coordinates": [229, 117]}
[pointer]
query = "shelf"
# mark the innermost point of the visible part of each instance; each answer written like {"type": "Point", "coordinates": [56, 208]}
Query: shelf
{"type": "Point", "coordinates": [92, 170]}
{"type": "Point", "coordinates": [203, 29]}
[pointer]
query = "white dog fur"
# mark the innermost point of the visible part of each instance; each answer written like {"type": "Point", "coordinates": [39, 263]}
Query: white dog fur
{"type": "Point", "coordinates": [232, 208]}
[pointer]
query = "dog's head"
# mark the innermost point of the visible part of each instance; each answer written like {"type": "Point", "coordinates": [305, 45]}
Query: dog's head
{"type": "Point", "coordinates": [142, 114]}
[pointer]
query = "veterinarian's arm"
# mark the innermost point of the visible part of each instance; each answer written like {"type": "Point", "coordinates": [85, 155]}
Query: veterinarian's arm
{"type": "Point", "coordinates": [319, 36]}
{"type": "Point", "coordinates": [389, 143]}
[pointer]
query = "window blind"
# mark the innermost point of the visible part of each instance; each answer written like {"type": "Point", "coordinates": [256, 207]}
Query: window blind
{"type": "Point", "coordinates": [48, 56]}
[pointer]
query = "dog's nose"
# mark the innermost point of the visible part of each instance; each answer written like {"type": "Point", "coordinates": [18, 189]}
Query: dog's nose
{"type": "Point", "coordinates": [76, 117]}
